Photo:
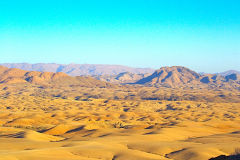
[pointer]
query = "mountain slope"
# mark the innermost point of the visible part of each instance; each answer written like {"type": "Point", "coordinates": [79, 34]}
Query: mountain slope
{"type": "Point", "coordinates": [78, 69]}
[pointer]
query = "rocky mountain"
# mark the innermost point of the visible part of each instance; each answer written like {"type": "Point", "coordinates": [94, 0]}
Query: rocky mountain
{"type": "Point", "coordinates": [170, 76]}
{"type": "Point", "coordinates": [78, 69]}
{"type": "Point", "coordinates": [181, 76]}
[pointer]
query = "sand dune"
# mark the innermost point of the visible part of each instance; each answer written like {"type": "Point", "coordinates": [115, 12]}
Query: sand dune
{"type": "Point", "coordinates": [96, 130]}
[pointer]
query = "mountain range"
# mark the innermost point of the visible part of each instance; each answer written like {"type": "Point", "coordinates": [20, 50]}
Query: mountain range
{"type": "Point", "coordinates": [79, 69]}
{"type": "Point", "coordinates": [166, 83]}
{"type": "Point", "coordinates": [176, 76]}
{"type": "Point", "coordinates": [118, 74]}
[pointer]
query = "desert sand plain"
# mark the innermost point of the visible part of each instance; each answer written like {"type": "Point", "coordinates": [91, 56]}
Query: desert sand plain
{"type": "Point", "coordinates": [40, 122]}
{"type": "Point", "coordinates": [35, 128]}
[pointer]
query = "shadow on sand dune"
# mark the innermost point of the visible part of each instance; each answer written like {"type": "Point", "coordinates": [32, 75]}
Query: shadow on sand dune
{"type": "Point", "coordinates": [223, 157]}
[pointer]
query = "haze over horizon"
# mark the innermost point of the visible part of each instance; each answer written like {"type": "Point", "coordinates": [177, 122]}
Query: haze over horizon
{"type": "Point", "coordinates": [203, 36]}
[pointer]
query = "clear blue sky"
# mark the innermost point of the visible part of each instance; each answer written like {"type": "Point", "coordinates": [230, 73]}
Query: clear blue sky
{"type": "Point", "coordinates": [203, 35]}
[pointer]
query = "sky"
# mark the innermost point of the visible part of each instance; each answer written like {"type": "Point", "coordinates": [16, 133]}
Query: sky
{"type": "Point", "coordinates": [202, 35]}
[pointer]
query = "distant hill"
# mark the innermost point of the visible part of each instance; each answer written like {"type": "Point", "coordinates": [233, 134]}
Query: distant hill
{"type": "Point", "coordinates": [229, 72]}
{"type": "Point", "coordinates": [122, 78]}
{"type": "Point", "coordinates": [79, 69]}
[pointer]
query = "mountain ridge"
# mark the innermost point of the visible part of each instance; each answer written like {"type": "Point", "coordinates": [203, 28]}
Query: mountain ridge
{"type": "Point", "coordinates": [15, 75]}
